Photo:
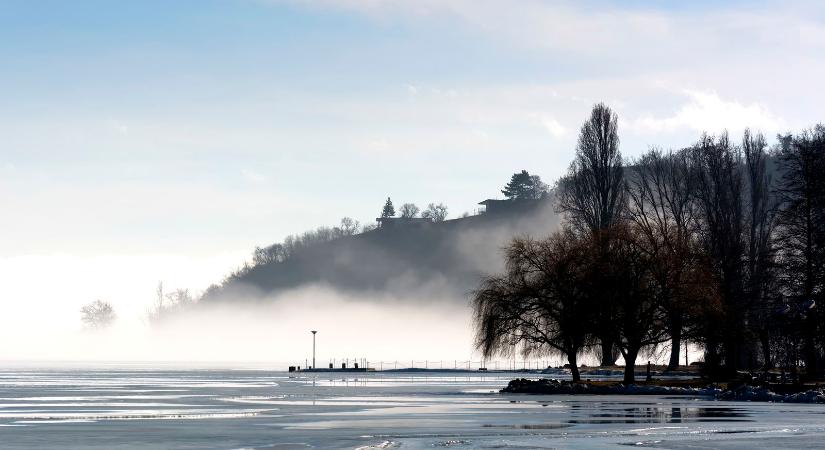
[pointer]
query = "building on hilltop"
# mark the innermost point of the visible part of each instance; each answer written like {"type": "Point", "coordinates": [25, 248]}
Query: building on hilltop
{"type": "Point", "coordinates": [494, 206]}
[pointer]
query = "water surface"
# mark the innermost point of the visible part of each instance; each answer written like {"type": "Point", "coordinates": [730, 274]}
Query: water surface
{"type": "Point", "coordinates": [258, 409]}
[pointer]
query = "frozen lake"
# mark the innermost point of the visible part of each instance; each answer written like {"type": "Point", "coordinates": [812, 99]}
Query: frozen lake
{"type": "Point", "coordinates": [240, 409]}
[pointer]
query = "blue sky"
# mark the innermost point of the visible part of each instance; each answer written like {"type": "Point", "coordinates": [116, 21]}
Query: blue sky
{"type": "Point", "coordinates": [199, 129]}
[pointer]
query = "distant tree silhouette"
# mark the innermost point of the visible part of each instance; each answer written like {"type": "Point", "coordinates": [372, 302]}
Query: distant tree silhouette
{"type": "Point", "coordinates": [271, 254]}
{"type": "Point", "coordinates": [279, 253]}
{"type": "Point", "coordinates": [348, 227]}
{"type": "Point", "coordinates": [409, 210]}
{"type": "Point", "coordinates": [538, 188]}
{"type": "Point", "coordinates": [522, 185]}
{"type": "Point", "coordinates": [389, 210]}
{"type": "Point", "coordinates": [437, 213]}
{"type": "Point", "coordinates": [97, 315]}
{"type": "Point", "coordinates": [169, 304]}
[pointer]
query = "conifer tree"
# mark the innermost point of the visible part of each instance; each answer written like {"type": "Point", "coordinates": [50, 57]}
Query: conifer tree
{"type": "Point", "coordinates": [519, 186]}
{"type": "Point", "coordinates": [389, 210]}
{"type": "Point", "coordinates": [523, 185]}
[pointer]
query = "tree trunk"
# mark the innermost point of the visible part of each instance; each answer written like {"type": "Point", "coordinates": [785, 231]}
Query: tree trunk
{"type": "Point", "coordinates": [765, 342]}
{"type": "Point", "coordinates": [712, 359]}
{"type": "Point", "coordinates": [630, 366]}
{"type": "Point", "coordinates": [809, 349]}
{"type": "Point", "coordinates": [574, 368]}
{"type": "Point", "coordinates": [675, 343]}
{"type": "Point", "coordinates": [731, 356]}
{"type": "Point", "coordinates": [608, 352]}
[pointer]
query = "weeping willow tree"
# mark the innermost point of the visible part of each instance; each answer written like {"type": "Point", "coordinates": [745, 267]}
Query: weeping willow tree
{"type": "Point", "coordinates": [540, 304]}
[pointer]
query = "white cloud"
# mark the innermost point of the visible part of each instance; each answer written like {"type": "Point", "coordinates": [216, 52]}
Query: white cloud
{"type": "Point", "coordinates": [553, 127]}
{"type": "Point", "coordinates": [707, 111]}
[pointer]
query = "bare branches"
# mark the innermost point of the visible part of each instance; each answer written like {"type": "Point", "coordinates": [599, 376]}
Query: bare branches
{"type": "Point", "coordinates": [97, 315]}
{"type": "Point", "coordinates": [540, 302]}
{"type": "Point", "coordinates": [592, 193]}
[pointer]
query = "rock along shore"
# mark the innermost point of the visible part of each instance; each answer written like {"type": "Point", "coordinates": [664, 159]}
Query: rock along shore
{"type": "Point", "coordinates": [741, 393]}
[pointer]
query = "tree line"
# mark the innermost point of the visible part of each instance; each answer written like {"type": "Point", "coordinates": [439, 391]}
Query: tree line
{"type": "Point", "coordinates": [100, 314]}
{"type": "Point", "coordinates": [720, 244]}
{"type": "Point", "coordinates": [434, 212]}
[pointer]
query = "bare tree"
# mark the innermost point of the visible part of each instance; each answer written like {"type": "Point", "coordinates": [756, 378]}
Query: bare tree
{"type": "Point", "coordinates": [437, 213]}
{"type": "Point", "coordinates": [274, 253]}
{"type": "Point", "coordinates": [409, 210]}
{"type": "Point", "coordinates": [802, 239]}
{"type": "Point", "coordinates": [718, 170]}
{"type": "Point", "coordinates": [348, 227]}
{"type": "Point", "coordinates": [626, 273]}
{"type": "Point", "coordinates": [760, 240]}
{"type": "Point", "coordinates": [540, 302]}
{"type": "Point", "coordinates": [169, 304]}
{"type": "Point", "coordinates": [662, 209]}
{"type": "Point", "coordinates": [179, 299]}
{"type": "Point", "coordinates": [97, 315]}
{"type": "Point", "coordinates": [592, 194]}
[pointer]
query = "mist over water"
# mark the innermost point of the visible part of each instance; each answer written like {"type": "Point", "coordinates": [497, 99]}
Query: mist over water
{"type": "Point", "coordinates": [418, 315]}
{"type": "Point", "coordinates": [375, 327]}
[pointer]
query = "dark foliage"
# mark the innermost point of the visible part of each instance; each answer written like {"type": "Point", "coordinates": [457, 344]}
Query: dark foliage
{"type": "Point", "coordinates": [522, 185]}
{"type": "Point", "coordinates": [388, 210]}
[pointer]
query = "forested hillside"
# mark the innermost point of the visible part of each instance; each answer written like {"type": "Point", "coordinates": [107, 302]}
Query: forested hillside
{"type": "Point", "coordinates": [402, 258]}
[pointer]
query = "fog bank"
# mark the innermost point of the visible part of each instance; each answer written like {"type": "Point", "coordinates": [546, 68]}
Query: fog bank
{"type": "Point", "coordinates": [274, 331]}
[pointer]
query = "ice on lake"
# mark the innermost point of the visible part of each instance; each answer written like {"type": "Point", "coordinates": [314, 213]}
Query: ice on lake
{"type": "Point", "coordinates": [258, 409]}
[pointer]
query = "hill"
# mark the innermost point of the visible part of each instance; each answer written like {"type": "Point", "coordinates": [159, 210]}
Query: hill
{"type": "Point", "coordinates": [415, 258]}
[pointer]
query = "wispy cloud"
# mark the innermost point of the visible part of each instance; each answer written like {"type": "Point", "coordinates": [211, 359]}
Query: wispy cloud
{"type": "Point", "coordinates": [707, 111]}
{"type": "Point", "coordinates": [611, 31]}
{"type": "Point", "coordinates": [553, 127]}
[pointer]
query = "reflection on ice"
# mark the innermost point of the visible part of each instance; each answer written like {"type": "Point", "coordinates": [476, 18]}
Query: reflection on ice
{"type": "Point", "coordinates": [123, 414]}
{"type": "Point", "coordinates": [657, 414]}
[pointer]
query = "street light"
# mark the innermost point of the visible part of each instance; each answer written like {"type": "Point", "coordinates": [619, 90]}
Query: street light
{"type": "Point", "coordinates": [313, 348]}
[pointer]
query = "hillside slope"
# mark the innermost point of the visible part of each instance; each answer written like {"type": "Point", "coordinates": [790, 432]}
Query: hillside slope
{"type": "Point", "coordinates": [413, 260]}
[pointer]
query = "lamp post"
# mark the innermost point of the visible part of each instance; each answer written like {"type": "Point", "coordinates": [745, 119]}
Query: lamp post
{"type": "Point", "coordinates": [313, 348]}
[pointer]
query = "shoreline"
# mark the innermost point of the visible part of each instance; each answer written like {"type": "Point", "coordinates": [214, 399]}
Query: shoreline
{"type": "Point", "coordinates": [698, 388]}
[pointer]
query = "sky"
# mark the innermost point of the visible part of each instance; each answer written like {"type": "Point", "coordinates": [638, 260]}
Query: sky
{"type": "Point", "coordinates": [161, 141]}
